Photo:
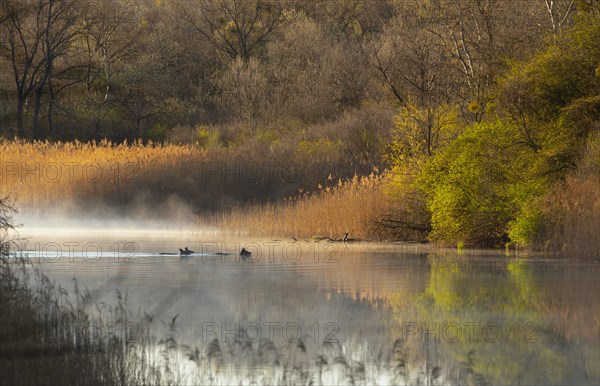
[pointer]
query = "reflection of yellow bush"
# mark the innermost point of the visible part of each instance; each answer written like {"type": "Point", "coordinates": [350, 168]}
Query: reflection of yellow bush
{"type": "Point", "coordinates": [511, 302]}
{"type": "Point", "coordinates": [524, 280]}
{"type": "Point", "coordinates": [441, 286]}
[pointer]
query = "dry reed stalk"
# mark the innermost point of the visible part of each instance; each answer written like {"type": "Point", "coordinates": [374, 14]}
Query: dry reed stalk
{"type": "Point", "coordinates": [40, 174]}
{"type": "Point", "coordinates": [573, 213]}
{"type": "Point", "coordinates": [348, 206]}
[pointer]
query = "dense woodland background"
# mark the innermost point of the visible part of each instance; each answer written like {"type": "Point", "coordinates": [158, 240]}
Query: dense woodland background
{"type": "Point", "coordinates": [127, 69]}
{"type": "Point", "coordinates": [485, 111]}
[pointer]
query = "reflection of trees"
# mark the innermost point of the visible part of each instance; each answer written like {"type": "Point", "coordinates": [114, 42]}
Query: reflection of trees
{"type": "Point", "coordinates": [493, 320]}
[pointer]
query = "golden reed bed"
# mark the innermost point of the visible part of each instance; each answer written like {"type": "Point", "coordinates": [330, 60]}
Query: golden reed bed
{"type": "Point", "coordinates": [350, 206]}
{"type": "Point", "coordinates": [41, 176]}
{"type": "Point", "coordinates": [38, 174]}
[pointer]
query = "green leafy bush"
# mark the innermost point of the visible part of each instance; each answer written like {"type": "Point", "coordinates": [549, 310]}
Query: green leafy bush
{"type": "Point", "coordinates": [487, 185]}
{"type": "Point", "coordinates": [479, 184]}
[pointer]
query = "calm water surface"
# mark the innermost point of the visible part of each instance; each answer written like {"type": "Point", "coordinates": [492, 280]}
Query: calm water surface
{"type": "Point", "coordinates": [302, 312]}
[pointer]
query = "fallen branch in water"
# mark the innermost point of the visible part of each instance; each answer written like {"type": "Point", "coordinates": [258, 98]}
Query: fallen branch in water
{"type": "Point", "coordinates": [399, 224]}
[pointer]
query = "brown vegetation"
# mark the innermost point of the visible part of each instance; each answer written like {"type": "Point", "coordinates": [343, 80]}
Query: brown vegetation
{"type": "Point", "coordinates": [573, 218]}
{"type": "Point", "coordinates": [333, 210]}
{"type": "Point", "coordinates": [572, 209]}
{"type": "Point", "coordinates": [133, 178]}
{"type": "Point", "coordinates": [43, 175]}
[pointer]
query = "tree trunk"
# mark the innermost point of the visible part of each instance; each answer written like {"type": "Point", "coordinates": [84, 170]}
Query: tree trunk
{"type": "Point", "coordinates": [50, 105]}
{"type": "Point", "coordinates": [36, 115]}
{"type": "Point", "coordinates": [20, 106]}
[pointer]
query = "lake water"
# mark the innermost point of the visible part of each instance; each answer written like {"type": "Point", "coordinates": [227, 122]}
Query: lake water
{"type": "Point", "coordinates": [333, 313]}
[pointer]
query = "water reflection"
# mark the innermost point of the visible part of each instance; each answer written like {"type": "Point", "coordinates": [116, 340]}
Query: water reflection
{"type": "Point", "coordinates": [341, 314]}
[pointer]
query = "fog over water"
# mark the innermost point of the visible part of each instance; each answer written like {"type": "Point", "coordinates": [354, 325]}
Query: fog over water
{"type": "Point", "coordinates": [335, 311]}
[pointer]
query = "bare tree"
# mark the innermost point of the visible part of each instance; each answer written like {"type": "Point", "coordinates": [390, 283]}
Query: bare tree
{"type": "Point", "coordinates": [313, 75]}
{"type": "Point", "coordinates": [111, 34]}
{"type": "Point", "coordinates": [480, 35]}
{"type": "Point", "coordinates": [245, 90]}
{"type": "Point", "coordinates": [560, 13]}
{"type": "Point", "coordinates": [22, 46]}
{"type": "Point", "coordinates": [39, 32]}
{"type": "Point", "coordinates": [411, 60]}
{"type": "Point", "coordinates": [235, 27]}
{"type": "Point", "coordinates": [350, 19]}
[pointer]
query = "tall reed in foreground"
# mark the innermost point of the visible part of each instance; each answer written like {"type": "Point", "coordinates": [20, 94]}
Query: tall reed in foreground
{"type": "Point", "coordinates": [350, 206]}
{"type": "Point", "coordinates": [49, 337]}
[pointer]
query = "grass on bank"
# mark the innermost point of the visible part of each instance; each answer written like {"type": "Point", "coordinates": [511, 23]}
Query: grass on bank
{"type": "Point", "coordinates": [350, 206]}
{"type": "Point", "coordinates": [137, 176]}
{"type": "Point", "coordinates": [41, 174]}
{"type": "Point", "coordinates": [572, 213]}
{"type": "Point", "coordinates": [571, 210]}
